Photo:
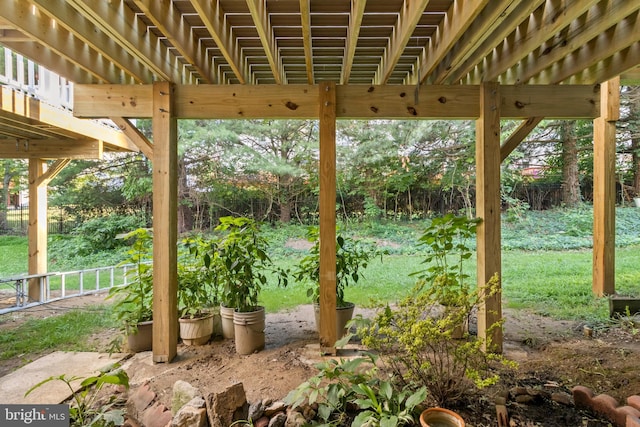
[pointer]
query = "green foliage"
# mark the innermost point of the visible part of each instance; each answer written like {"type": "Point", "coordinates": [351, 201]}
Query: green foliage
{"type": "Point", "coordinates": [342, 385]}
{"type": "Point", "coordinates": [446, 242]}
{"type": "Point", "coordinates": [244, 262]}
{"type": "Point", "coordinates": [87, 409]}
{"type": "Point", "coordinates": [351, 257]}
{"type": "Point", "coordinates": [100, 234]}
{"type": "Point", "coordinates": [133, 301]}
{"type": "Point", "coordinates": [198, 276]}
{"type": "Point", "coordinates": [417, 341]}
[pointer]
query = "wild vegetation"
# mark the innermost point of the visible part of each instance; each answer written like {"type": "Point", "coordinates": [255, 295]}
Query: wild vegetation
{"type": "Point", "coordinates": [267, 170]}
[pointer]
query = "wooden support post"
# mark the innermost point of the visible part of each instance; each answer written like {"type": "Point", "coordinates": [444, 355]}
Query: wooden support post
{"type": "Point", "coordinates": [165, 224]}
{"type": "Point", "coordinates": [327, 172]}
{"type": "Point", "coordinates": [37, 229]}
{"type": "Point", "coordinates": [604, 190]}
{"type": "Point", "coordinates": [488, 209]}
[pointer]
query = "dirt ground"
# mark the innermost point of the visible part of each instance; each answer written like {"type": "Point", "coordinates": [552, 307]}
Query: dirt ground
{"type": "Point", "coordinates": [552, 356]}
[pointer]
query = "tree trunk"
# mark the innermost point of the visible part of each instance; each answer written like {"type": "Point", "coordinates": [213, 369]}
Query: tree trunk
{"type": "Point", "coordinates": [185, 213]}
{"type": "Point", "coordinates": [285, 212]}
{"type": "Point", "coordinates": [570, 178]}
{"type": "Point", "coordinates": [4, 196]}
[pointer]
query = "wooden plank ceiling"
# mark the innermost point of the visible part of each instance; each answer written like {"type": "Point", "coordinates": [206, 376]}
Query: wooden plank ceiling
{"type": "Point", "coordinates": [348, 42]}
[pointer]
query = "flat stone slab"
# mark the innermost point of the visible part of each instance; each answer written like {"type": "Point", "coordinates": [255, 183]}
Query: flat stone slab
{"type": "Point", "coordinates": [79, 364]}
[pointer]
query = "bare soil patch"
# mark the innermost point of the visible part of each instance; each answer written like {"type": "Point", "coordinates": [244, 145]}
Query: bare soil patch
{"type": "Point", "coordinates": [552, 356]}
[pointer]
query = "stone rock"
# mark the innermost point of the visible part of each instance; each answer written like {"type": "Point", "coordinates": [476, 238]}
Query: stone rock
{"type": "Point", "coordinates": [275, 407]}
{"type": "Point", "coordinates": [261, 422]}
{"type": "Point", "coordinates": [191, 416]}
{"type": "Point", "coordinates": [227, 406]}
{"type": "Point", "coordinates": [183, 392]}
{"type": "Point", "coordinates": [256, 410]}
{"type": "Point", "coordinates": [295, 419]}
{"type": "Point", "coordinates": [278, 420]}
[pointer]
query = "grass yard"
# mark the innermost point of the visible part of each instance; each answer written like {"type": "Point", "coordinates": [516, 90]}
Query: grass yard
{"type": "Point", "coordinates": [546, 269]}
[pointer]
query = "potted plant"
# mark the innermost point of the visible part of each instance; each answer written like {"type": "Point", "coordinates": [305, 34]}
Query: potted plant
{"type": "Point", "coordinates": [243, 263]}
{"type": "Point", "coordinates": [351, 257]}
{"type": "Point", "coordinates": [446, 242]}
{"type": "Point", "coordinates": [133, 301]}
{"type": "Point", "coordinates": [197, 290]}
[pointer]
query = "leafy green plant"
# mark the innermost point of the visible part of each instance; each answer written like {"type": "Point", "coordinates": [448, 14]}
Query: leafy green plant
{"type": "Point", "coordinates": [198, 272]}
{"type": "Point", "coordinates": [133, 301]}
{"type": "Point", "coordinates": [244, 262]}
{"type": "Point", "coordinates": [351, 258]}
{"type": "Point", "coordinates": [416, 341]}
{"type": "Point", "coordinates": [351, 390]}
{"type": "Point", "coordinates": [447, 249]}
{"type": "Point", "coordinates": [86, 408]}
{"type": "Point", "coordinates": [102, 233]}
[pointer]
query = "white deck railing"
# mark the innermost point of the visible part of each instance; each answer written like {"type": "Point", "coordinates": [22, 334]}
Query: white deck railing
{"type": "Point", "coordinates": [26, 76]}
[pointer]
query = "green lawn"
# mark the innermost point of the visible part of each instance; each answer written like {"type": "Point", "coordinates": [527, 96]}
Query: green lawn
{"type": "Point", "coordinates": [554, 280]}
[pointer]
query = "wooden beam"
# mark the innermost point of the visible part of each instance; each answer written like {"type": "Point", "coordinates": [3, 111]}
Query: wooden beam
{"type": "Point", "coordinates": [37, 228]}
{"type": "Point", "coordinates": [611, 67]}
{"type": "Point", "coordinates": [68, 18]}
{"type": "Point", "coordinates": [258, 10]}
{"type": "Point", "coordinates": [352, 101]}
{"type": "Point", "coordinates": [327, 171]}
{"type": "Point", "coordinates": [485, 33]}
{"type": "Point", "coordinates": [17, 103]}
{"type": "Point", "coordinates": [57, 39]}
{"type": "Point", "coordinates": [518, 136]}
{"type": "Point", "coordinates": [524, 101]}
{"type": "Point", "coordinates": [531, 34]}
{"type": "Point", "coordinates": [165, 225]}
{"type": "Point", "coordinates": [488, 209]}
{"type": "Point", "coordinates": [52, 171]}
{"type": "Point", "coordinates": [113, 101]}
{"type": "Point", "coordinates": [305, 20]}
{"type": "Point", "coordinates": [590, 38]}
{"type": "Point", "coordinates": [56, 63]}
{"type": "Point", "coordinates": [459, 18]}
{"type": "Point", "coordinates": [134, 134]}
{"type": "Point", "coordinates": [51, 149]}
{"type": "Point", "coordinates": [606, 44]}
{"type": "Point", "coordinates": [604, 190]}
{"type": "Point", "coordinates": [171, 23]}
{"type": "Point", "coordinates": [213, 18]}
{"type": "Point", "coordinates": [353, 32]}
{"type": "Point", "coordinates": [11, 35]}
{"type": "Point", "coordinates": [118, 21]}
{"type": "Point", "coordinates": [408, 18]}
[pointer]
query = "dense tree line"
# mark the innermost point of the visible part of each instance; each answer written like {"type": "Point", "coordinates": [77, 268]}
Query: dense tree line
{"type": "Point", "coordinates": [394, 169]}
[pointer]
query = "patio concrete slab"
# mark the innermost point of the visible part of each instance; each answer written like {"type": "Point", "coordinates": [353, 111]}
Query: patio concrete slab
{"type": "Point", "coordinates": [80, 364]}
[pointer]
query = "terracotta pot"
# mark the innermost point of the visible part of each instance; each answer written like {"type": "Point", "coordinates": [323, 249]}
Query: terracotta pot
{"type": "Point", "coordinates": [440, 417]}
